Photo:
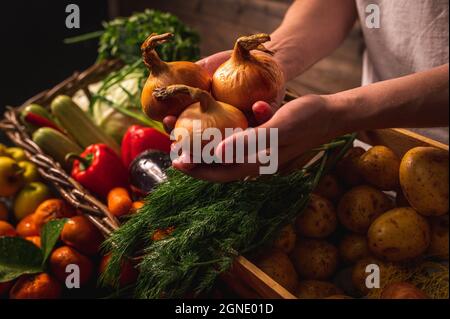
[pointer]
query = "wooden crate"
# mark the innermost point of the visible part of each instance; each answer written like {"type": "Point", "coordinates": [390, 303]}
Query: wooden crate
{"type": "Point", "coordinates": [248, 281]}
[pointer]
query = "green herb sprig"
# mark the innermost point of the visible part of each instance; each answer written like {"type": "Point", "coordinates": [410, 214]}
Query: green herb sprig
{"type": "Point", "coordinates": [122, 37]}
{"type": "Point", "coordinates": [213, 224]}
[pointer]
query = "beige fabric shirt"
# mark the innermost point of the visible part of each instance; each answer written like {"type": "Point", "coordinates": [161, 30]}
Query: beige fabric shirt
{"type": "Point", "coordinates": [413, 36]}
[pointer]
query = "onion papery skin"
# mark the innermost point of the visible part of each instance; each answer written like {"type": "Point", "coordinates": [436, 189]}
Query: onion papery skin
{"type": "Point", "coordinates": [163, 74]}
{"type": "Point", "coordinates": [222, 116]}
{"type": "Point", "coordinates": [205, 109]}
{"type": "Point", "coordinates": [246, 78]}
{"type": "Point", "coordinates": [179, 72]}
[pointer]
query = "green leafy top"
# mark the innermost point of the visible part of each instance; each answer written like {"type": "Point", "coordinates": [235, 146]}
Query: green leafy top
{"type": "Point", "coordinates": [123, 37]}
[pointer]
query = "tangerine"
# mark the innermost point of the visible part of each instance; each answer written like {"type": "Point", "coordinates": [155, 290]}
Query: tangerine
{"type": "Point", "coordinates": [65, 255]}
{"type": "Point", "coordinates": [40, 286]}
{"type": "Point", "coordinates": [27, 227]}
{"type": "Point", "coordinates": [51, 209]}
{"type": "Point", "coordinates": [81, 234]}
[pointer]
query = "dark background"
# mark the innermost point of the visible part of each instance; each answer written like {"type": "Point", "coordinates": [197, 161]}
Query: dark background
{"type": "Point", "coordinates": [33, 56]}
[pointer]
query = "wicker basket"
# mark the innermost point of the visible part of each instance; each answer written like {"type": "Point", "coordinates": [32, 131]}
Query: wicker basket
{"type": "Point", "coordinates": [49, 169]}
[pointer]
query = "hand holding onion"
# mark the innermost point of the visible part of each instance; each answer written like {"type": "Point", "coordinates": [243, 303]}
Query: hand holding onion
{"type": "Point", "coordinates": [205, 109]}
{"type": "Point", "coordinates": [302, 124]}
{"type": "Point", "coordinates": [251, 79]}
{"type": "Point", "coordinates": [248, 76]}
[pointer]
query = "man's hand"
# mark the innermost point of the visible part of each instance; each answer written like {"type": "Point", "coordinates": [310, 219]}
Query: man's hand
{"type": "Point", "coordinates": [262, 111]}
{"type": "Point", "coordinates": [302, 125]}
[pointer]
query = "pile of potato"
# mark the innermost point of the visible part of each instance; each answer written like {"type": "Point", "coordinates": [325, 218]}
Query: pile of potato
{"type": "Point", "coordinates": [374, 208]}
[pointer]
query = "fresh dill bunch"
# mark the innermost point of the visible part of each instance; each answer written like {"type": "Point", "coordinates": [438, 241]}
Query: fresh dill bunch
{"type": "Point", "coordinates": [213, 223]}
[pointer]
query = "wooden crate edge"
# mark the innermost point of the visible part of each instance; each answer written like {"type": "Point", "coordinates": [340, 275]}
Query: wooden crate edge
{"type": "Point", "coordinates": [263, 285]}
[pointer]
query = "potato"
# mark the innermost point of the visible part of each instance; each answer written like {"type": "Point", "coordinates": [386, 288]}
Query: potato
{"type": "Point", "coordinates": [439, 237]}
{"type": "Point", "coordinates": [359, 207]}
{"type": "Point", "coordinates": [277, 265]}
{"type": "Point", "coordinates": [353, 247]}
{"type": "Point", "coordinates": [359, 274]}
{"type": "Point", "coordinates": [379, 167]}
{"type": "Point", "coordinates": [315, 259]}
{"type": "Point", "coordinates": [424, 180]}
{"type": "Point", "coordinates": [286, 239]}
{"type": "Point", "coordinates": [316, 289]}
{"type": "Point", "coordinates": [347, 168]}
{"type": "Point", "coordinates": [399, 234]}
{"type": "Point", "coordinates": [318, 220]}
{"type": "Point", "coordinates": [402, 290]}
{"type": "Point", "coordinates": [330, 188]}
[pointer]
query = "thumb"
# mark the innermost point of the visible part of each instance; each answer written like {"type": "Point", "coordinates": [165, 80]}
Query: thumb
{"type": "Point", "coordinates": [169, 123]}
{"type": "Point", "coordinates": [262, 112]}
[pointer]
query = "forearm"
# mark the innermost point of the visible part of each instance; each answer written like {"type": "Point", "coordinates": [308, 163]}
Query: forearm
{"type": "Point", "coordinates": [311, 30]}
{"type": "Point", "coordinates": [417, 100]}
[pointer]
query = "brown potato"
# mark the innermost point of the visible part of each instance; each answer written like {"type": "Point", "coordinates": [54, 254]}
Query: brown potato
{"type": "Point", "coordinates": [316, 289]}
{"type": "Point", "coordinates": [402, 290]}
{"type": "Point", "coordinates": [286, 239]}
{"type": "Point", "coordinates": [359, 274]}
{"type": "Point", "coordinates": [330, 188]}
{"type": "Point", "coordinates": [399, 234]}
{"type": "Point", "coordinates": [315, 259]}
{"type": "Point", "coordinates": [347, 168]}
{"type": "Point", "coordinates": [353, 247]}
{"type": "Point", "coordinates": [439, 237]}
{"type": "Point", "coordinates": [379, 167]}
{"type": "Point", "coordinates": [424, 175]}
{"type": "Point", "coordinates": [318, 220]}
{"type": "Point", "coordinates": [360, 206]}
{"type": "Point", "coordinates": [277, 265]}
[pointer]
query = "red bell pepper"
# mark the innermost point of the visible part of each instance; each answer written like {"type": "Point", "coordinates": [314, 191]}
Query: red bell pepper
{"type": "Point", "coordinates": [138, 139]}
{"type": "Point", "coordinates": [99, 169]}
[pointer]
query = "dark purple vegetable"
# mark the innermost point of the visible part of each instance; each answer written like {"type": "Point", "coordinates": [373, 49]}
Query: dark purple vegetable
{"type": "Point", "coordinates": [147, 170]}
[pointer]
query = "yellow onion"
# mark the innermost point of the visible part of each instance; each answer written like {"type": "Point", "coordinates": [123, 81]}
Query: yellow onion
{"type": "Point", "coordinates": [163, 74]}
{"type": "Point", "coordinates": [248, 77]}
{"type": "Point", "coordinates": [211, 113]}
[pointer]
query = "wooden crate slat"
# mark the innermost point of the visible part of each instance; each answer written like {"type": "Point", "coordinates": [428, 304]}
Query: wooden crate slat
{"type": "Point", "coordinates": [265, 286]}
{"type": "Point", "coordinates": [399, 140]}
